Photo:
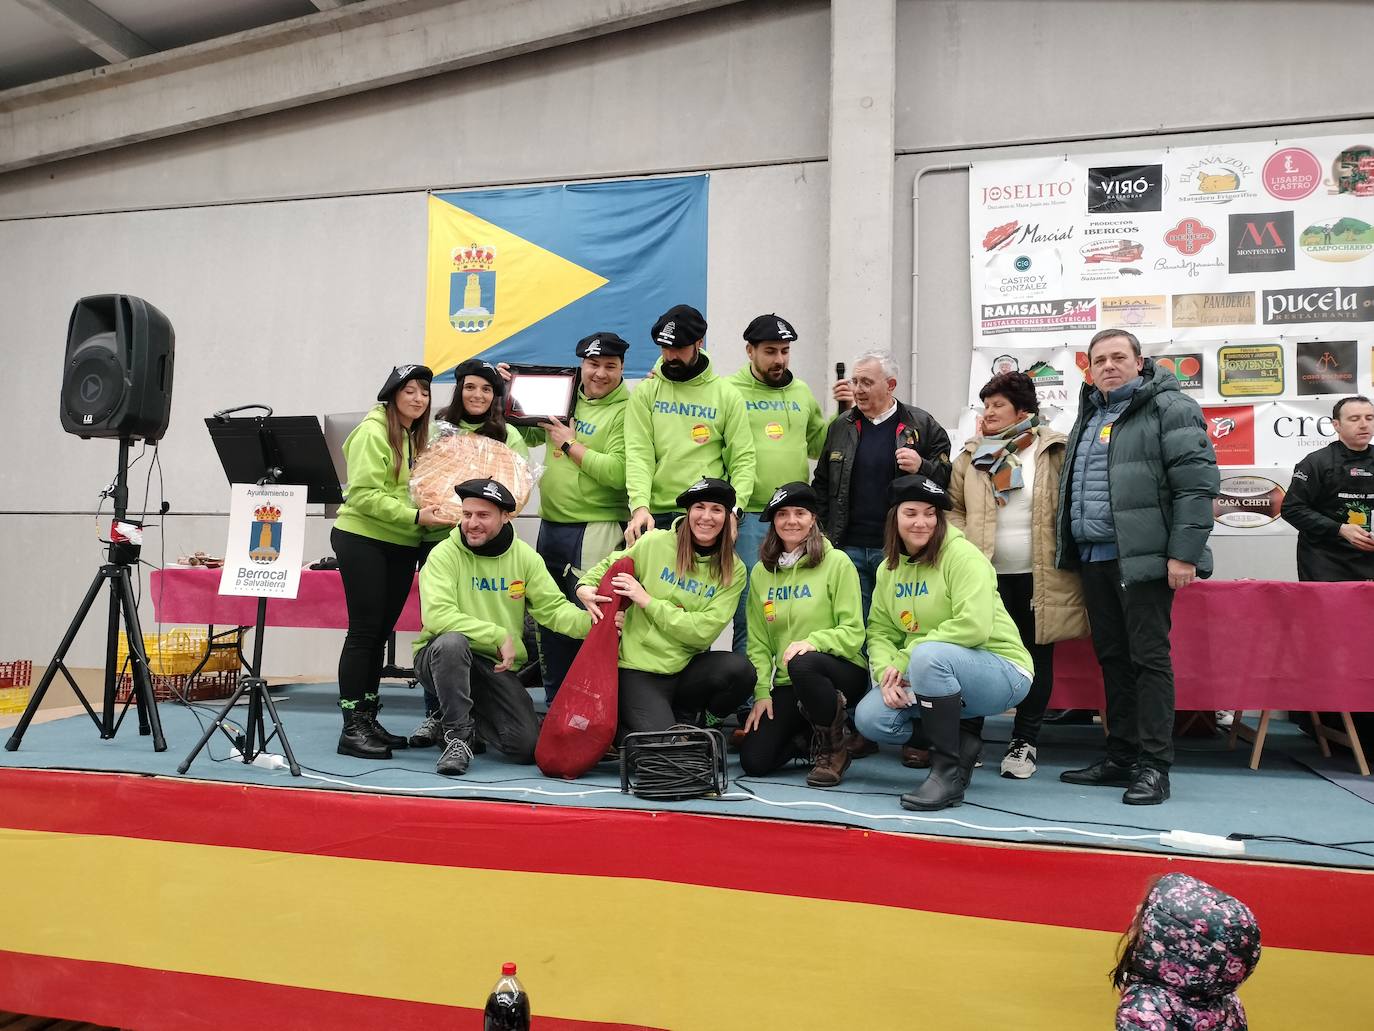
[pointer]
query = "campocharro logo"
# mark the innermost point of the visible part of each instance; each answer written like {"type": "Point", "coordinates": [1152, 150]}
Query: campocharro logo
{"type": "Point", "coordinates": [1319, 304]}
{"type": "Point", "coordinates": [1117, 188]}
{"type": "Point", "coordinates": [1341, 239]}
{"type": "Point", "coordinates": [1261, 242]}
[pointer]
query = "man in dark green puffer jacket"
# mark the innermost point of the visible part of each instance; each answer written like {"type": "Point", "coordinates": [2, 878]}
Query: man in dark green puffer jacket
{"type": "Point", "coordinates": [1135, 511]}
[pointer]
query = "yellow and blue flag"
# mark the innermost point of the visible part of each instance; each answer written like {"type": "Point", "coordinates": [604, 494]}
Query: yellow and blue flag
{"type": "Point", "coordinates": [520, 275]}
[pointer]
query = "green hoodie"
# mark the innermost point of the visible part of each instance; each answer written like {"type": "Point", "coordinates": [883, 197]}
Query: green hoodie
{"type": "Point", "coordinates": [484, 598]}
{"type": "Point", "coordinates": [818, 604]}
{"type": "Point", "coordinates": [514, 441]}
{"type": "Point", "coordinates": [954, 601]}
{"type": "Point", "coordinates": [676, 433]}
{"type": "Point", "coordinates": [787, 428]}
{"type": "Point", "coordinates": [593, 492]}
{"type": "Point", "coordinates": [685, 615]}
{"type": "Point", "coordinates": [378, 503]}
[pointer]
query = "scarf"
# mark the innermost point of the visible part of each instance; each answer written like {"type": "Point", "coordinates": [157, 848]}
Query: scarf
{"type": "Point", "coordinates": [495, 545]}
{"type": "Point", "coordinates": [998, 455]}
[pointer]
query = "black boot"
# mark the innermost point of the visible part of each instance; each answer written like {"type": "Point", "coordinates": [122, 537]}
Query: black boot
{"type": "Point", "coordinates": [367, 711]}
{"type": "Point", "coordinates": [944, 785]}
{"type": "Point", "coordinates": [357, 740]}
{"type": "Point", "coordinates": [970, 747]}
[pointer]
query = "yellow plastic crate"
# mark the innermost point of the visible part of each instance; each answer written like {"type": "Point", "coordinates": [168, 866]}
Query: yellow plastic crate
{"type": "Point", "coordinates": [15, 678]}
{"type": "Point", "coordinates": [174, 653]}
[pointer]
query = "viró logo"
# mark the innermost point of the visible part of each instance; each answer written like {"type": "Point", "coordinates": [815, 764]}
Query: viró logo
{"type": "Point", "coordinates": [1116, 188]}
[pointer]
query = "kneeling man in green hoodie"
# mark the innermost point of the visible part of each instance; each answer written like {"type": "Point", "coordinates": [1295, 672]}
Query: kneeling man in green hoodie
{"type": "Point", "coordinates": [473, 593]}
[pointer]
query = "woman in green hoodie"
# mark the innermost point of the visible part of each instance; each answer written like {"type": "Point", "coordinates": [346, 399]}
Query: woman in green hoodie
{"type": "Point", "coordinates": [683, 592]}
{"type": "Point", "coordinates": [806, 629]}
{"type": "Point", "coordinates": [376, 539]}
{"type": "Point", "coordinates": [941, 646]}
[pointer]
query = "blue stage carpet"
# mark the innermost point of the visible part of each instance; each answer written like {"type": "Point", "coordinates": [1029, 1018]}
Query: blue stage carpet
{"type": "Point", "coordinates": [1213, 790]}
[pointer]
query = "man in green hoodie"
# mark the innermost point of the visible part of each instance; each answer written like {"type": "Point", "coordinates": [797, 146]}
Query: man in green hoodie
{"type": "Point", "coordinates": [787, 427]}
{"type": "Point", "coordinates": [473, 594]}
{"type": "Point", "coordinates": [582, 503]}
{"type": "Point", "coordinates": [682, 425]}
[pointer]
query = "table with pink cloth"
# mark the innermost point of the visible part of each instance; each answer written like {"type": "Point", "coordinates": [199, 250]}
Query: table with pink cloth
{"type": "Point", "coordinates": [191, 595]}
{"type": "Point", "coordinates": [1254, 645]}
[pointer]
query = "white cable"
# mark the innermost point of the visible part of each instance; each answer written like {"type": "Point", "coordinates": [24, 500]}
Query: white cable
{"type": "Point", "coordinates": [943, 819]}
{"type": "Point", "coordinates": [482, 788]}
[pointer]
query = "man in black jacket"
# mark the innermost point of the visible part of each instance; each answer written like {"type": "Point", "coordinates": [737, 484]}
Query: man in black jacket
{"type": "Point", "coordinates": [1331, 498]}
{"type": "Point", "coordinates": [866, 448]}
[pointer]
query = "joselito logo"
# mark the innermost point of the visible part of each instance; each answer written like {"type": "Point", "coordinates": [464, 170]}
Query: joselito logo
{"type": "Point", "coordinates": [1261, 242]}
{"type": "Point", "coordinates": [1028, 195]}
{"type": "Point", "coordinates": [1118, 188]}
{"type": "Point", "coordinates": [1319, 304]}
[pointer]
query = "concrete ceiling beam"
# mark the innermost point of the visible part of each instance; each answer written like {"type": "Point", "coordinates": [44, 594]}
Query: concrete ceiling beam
{"type": "Point", "coordinates": [91, 27]}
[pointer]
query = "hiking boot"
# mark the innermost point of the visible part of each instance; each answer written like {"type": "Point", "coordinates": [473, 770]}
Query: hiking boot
{"type": "Point", "coordinates": [859, 746]}
{"type": "Point", "coordinates": [429, 733]}
{"type": "Point", "coordinates": [1019, 762]}
{"type": "Point", "coordinates": [457, 755]}
{"type": "Point", "coordinates": [830, 758]}
{"type": "Point", "coordinates": [357, 739]}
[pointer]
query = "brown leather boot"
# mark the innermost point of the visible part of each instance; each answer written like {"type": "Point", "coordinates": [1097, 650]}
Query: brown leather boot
{"type": "Point", "coordinates": [914, 758]}
{"type": "Point", "coordinates": [831, 756]}
{"type": "Point", "coordinates": [859, 746]}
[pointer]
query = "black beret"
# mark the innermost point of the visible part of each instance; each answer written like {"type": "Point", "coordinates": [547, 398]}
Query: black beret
{"type": "Point", "coordinates": [477, 367]}
{"type": "Point", "coordinates": [769, 327]}
{"type": "Point", "coordinates": [707, 489]}
{"type": "Point", "coordinates": [796, 494]}
{"type": "Point", "coordinates": [486, 489]}
{"type": "Point", "coordinates": [918, 487]}
{"type": "Point", "coordinates": [400, 376]}
{"type": "Point", "coordinates": [602, 345]}
{"type": "Point", "coordinates": [679, 326]}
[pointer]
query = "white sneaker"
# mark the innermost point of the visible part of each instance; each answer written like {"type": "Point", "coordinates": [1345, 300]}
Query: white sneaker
{"type": "Point", "coordinates": [1225, 717]}
{"type": "Point", "coordinates": [1019, 762]}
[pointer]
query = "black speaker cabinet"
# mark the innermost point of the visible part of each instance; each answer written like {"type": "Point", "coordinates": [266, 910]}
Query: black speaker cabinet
{"type": "Point", "coordinates": [117, 378]}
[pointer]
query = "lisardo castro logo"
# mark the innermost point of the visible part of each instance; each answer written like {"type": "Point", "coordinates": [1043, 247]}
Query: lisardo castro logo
{"type": "Point", "coordinates": [1247, 502]}
{"type": "Point", "coordinates": [1292, 173]}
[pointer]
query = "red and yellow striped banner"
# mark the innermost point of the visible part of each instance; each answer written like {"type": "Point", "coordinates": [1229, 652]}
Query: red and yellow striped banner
{"type": "Point", "coordinates": [169, 904]}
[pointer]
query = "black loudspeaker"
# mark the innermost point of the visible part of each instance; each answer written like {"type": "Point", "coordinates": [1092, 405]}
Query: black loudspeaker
{"type": "Point", "coordinates": [117, 378]}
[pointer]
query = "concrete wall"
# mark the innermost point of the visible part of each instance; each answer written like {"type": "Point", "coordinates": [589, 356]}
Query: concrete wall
{"type": "Point", "coordinates": [287, 249]}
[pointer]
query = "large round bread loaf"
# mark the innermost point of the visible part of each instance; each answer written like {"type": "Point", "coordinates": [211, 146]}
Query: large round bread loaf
{"type": "Point", "coordinates": [453, 457]}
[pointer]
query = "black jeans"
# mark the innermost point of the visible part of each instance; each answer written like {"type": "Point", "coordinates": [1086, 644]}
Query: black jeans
{"type": "Point", "coordinates": [714, 681]}
{"type": "Point", "coordinates": [1130, 630]}
{"type": "Point", "coordinates": [474, 697]}
{"type": "Point", "coordinates": [1016, 591]}
{"type": "Point", "coordinates": [376, 581]}
{"type": "Point", "coordinates": [809, 701]}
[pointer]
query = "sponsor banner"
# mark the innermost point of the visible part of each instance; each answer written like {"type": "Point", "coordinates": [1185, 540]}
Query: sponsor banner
{"type": "Point", "coordinates": [1138, 313]}
{"type": "Point", "coordinates": [1250, 370]}
{"type": "Point", "coordinates": [1286, 432]}
{"type": "Point", "coordinates": [266, 540]}
{"type": "Point", "coordinates": [1249, 504]}
{"type": "Point", "coordinates": [1057, 381]}
{"type": "Point", "coordinates": [1261, 243]}
{"type": "Point", "coordinates": [1231, 429]}
{"type": "Point", "coordinates": [1052, 316]}
{"type": "Point", "coordinates": [1187, 365]}
{"type": "Point", "coordinates": [1338, 239]}
{"type": "Point", "coordinates": [1118, 188]}
{"type": "Point", "coordinates": [1327, 366]}
{"type": "Point", "coordinates": [1300, 305]}
{"type": "Point", "coordinates": [1199, 311]}
{"type": "Point", "coordinates": [1215, 177]}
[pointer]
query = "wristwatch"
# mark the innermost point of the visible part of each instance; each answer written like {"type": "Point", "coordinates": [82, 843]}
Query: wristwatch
{"type": "Point", "coordinates": [566, 447]}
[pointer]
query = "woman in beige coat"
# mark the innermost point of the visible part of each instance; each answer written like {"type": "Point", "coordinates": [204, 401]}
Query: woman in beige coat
{"type": "Point", "coordinates": [1005, 489]}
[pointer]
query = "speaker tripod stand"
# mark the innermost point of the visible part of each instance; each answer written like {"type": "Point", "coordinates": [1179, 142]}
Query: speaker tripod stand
{"type": "Point", "coordinates": [123, 614]}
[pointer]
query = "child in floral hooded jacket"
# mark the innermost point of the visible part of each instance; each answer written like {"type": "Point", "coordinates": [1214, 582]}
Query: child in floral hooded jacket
{"type": "Point", "coordinates": [1183, 958]}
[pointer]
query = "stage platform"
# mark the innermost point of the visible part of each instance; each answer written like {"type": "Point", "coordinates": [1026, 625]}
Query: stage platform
{"type": "Point", "coordinates": [381, 895]}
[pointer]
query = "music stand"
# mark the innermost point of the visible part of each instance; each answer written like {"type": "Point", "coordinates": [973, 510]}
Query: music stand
{"type": "Point", "coordinates": [289, 450]}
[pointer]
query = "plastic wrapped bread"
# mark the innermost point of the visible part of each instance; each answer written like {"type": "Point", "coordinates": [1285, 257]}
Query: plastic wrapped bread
{"type": "Point", "coordinates": [453, 457]}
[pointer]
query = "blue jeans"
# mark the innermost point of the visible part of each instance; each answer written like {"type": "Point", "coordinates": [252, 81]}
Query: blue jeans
{"type": "Point", "coordinates": [866, 561]}
{"type": "Point", "coordinates": [752, 531]}
{"type": "Point", "coordinates": [986, 684]}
